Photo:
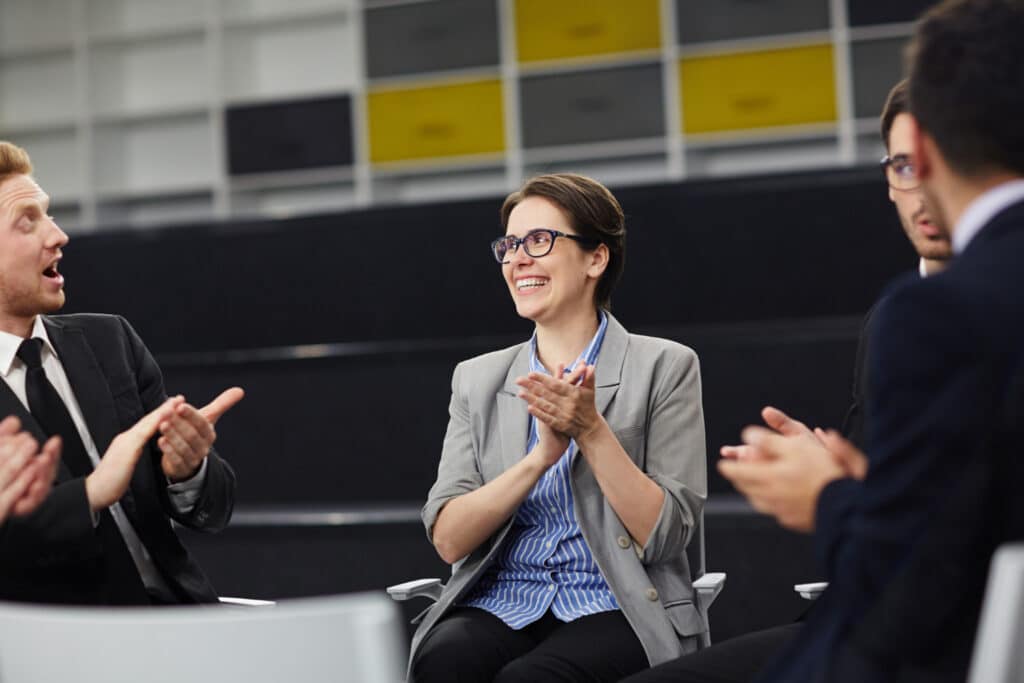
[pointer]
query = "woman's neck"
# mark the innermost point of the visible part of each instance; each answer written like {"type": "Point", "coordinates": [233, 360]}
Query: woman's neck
{"type": "Point", "coordinates": [564, 341]}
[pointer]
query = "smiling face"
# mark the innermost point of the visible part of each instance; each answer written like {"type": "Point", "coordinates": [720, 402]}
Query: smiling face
{"type": "Point", "coordinates": [929, 237]}
{"type": "Point", "coordinates": [30, 249]}
{"type": "Point", "coordinates": [559, 285]}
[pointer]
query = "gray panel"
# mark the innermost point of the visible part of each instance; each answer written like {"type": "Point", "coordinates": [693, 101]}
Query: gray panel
{"type": "Point", "coordinates": [431, 36]}
{"type": "Point", "coordinates": [593, 106]}
{"type": "Point", "coordinates": [877, 66]}
{"type": "Point", "coordinates": [727, 19]}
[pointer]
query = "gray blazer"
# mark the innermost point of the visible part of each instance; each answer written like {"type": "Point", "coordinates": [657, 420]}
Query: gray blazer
{"type": "Point", "coordinates": [649, 392]}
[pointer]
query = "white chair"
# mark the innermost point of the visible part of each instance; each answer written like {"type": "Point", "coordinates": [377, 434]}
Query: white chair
{"type": "Point", "coordinates": [354, 638]}
{"type": "Point", "coordinates": [998, 657]}
{"type": "Point", "coordinates": [707, 585]}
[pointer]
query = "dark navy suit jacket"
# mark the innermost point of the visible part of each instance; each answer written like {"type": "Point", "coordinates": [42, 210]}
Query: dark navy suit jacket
{"type": "Point", "coordinates": [943, 350]}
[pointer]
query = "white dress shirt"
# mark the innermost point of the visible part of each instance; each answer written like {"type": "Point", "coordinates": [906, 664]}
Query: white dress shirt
{"type": "Point", "coordinates": [182, 495]}
{"type": "Point", "coordinates": [983, 209]}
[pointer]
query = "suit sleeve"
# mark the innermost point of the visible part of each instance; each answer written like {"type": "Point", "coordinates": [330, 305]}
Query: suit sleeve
{"type": "Point", "coordinates": [457, 473]}
{"type": "Point", "coordinates": [676, 457]}
{"type": "Point", "coordinates": [60, 530]}
{"type": "Point", "coordinates": [931, 394]}
{"type": "Point", "coordinates": [213, 507]}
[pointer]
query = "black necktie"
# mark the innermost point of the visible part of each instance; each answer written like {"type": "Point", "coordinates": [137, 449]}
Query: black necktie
{"type": "Point", "coordinates": [122, 583]}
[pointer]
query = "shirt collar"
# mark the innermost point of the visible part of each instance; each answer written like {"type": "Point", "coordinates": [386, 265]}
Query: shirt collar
{"type": "Point", "coordinates": [983, 209]}
{"type": "Point", "coordinates": [9, 344]}
{"type": "Point", "coordinates": [589, 354]}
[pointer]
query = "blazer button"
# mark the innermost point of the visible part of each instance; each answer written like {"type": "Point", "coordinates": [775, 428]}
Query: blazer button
{"type": "Point", "coordinates": [652, 594]}
{"type": "Point", "coordinates": [623, 542]}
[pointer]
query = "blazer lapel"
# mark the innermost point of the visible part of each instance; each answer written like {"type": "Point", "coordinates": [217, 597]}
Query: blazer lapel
{"type": "Point", "coordinates": [92, 392]}
{"type": "Point", "coordinates": [608, 372]}
{"type": "Point", "coordinates": [513, 420]}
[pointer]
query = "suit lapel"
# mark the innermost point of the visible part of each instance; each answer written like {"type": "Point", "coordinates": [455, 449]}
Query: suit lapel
{"type": "Point", "coordinates": [513, 420]}
{"type": "Point", "coordinates": [89, 384]}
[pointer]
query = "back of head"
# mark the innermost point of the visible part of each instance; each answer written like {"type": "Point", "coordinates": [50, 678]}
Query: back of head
{"type": "Point", "coordinates": [966, 70]}
{"type": "Point", "coordinates": [13, 161]}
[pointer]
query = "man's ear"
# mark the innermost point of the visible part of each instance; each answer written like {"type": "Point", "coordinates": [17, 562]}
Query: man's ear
{"type": "Point", "coordinates": [598, 261]}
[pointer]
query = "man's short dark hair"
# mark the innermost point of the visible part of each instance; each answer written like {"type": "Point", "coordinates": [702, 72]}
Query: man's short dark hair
{"type": "Point", "coordinates": [895, 105]}
{"type": "Point", "coordinates": [966, 69]}
{"type": "Point", "coordinates": [592, 211]}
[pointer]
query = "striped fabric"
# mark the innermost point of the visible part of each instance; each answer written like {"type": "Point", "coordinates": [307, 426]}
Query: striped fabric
{"type": "Point", "coordinates": [545, 562]}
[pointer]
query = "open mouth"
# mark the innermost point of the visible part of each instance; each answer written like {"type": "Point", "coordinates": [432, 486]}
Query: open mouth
{"type": "Point", "coordinates": [51, 273]}
{"type": "Point", "coordinates": [529, 284]}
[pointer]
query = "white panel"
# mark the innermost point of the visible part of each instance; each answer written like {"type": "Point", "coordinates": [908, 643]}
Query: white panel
{"type": "Point", "coordinates": [294, 201]}
{"type": "Point", "coordinates": [762, 158]}
{"type": "Point", "coordinates": [154, 156]}
{"type": "Point", "coordinates": [36, 91]}
{"type": "Point", "coordinates": [282, 61]}
{"type": "Point", "coordinates": [266, 9]}
{"type": "Point", "coordinates": [126, 17]}
{"type": "Point", "coordinates": [428, 187]}
{"type": "Point", "coordinates": [186, 209]}
{"type": "Point", "coordinates": [30, 24]}
{"type": "Point", "coordinates": [55, 158]}
{"type": "Point", "coordinates": [148, 76]}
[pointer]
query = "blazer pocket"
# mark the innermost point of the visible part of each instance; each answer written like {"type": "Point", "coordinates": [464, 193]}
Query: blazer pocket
{"type": "Point", "coordinates": [685, 618]}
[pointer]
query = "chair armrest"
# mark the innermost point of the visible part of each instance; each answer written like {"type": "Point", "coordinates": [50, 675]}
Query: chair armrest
{"type": "Point", "coordinates": [427, 588]}
{"type": "Point", "coordinates": [811, 591]}
{"type": "Point", "coordinates": [709, 586]}
{"type": "Point", "coordinates": [246, 602]}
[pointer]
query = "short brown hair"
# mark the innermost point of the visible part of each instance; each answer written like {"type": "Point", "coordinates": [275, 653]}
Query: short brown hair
{"type": "Point", "coordinates": [13, 161]}
{"type": "Point", "coordinates": [895, 105]}
{"type": "Point", "coordinates": [966, 70]}
{"type": "Point", "coordinates": [593, 212]}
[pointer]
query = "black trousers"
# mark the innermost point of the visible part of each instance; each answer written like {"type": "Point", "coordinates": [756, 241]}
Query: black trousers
{"type": "Point", "coordinates": [471, 645]}
{"type": "Point", "coordinates": [737, 660]}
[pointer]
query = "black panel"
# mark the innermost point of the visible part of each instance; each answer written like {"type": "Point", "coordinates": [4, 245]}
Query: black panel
{"type": "Point", "coordinates": [762, 562]}
{"type": "Point", "coordinates": [420, 37]}
{"type": "Point", "coordinates": [289, 135]}
{"type": "Point", "coordinates": [867, 12]}
{"type": "Point", "coordinates": [741, 249]}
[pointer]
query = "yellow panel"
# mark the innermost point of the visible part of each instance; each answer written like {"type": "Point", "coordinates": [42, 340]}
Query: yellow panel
{"type": "Point", "coordinates": [556, 29]}
{"type": "Point", "coordinates": [436, 121]}
{"type": "Point", "coordinates": [757, 89]}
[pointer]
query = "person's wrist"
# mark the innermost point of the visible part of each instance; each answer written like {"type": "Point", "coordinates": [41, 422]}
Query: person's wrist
{"type": "Point", "coordinates": [588, 437]}
{"type": "Point", "coordinates": [92, 494]}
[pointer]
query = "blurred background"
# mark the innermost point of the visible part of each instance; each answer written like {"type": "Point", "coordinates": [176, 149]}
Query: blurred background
{"type": "Point", "coordinates": [296, 196]}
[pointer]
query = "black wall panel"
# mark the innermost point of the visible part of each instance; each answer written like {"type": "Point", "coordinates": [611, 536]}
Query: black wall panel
{"type": "Point", "coordinates": [736, 250]}
{"type": "Point", "coordinates": [289, 135]}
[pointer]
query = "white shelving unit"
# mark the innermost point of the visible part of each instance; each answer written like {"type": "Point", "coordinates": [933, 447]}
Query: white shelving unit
{"type": "Point", "coordinates": [122, 105]}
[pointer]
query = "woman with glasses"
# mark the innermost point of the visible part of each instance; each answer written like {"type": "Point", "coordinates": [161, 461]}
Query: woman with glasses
{"type": "Point", "coordinates": [572, 473]}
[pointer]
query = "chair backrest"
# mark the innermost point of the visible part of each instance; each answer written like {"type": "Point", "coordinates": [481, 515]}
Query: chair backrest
{"type": "Point", "coordinates": [998, 656]}
{"type": "Point", "coordinates": [695, 550]}
{"type": "Point", "coordinates": [341, 638]}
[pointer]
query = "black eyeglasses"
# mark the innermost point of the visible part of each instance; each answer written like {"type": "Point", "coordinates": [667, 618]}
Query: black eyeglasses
{"type": "Point", "coordinates": [900, 172]}
{"type": "Point", "coordinates": [536, 243]}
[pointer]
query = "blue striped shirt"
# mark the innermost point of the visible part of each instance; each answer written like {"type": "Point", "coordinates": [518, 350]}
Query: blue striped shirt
{"type": "Point", "coordinates": [545, 562]}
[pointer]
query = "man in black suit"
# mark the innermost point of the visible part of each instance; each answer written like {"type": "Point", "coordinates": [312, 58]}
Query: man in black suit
{"type": "Point", "coordinates": [740, 659]}
{"type": "Point", "coordinates": [943, 349]}
{"type": "Point", "coordinates": [103, 535]}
